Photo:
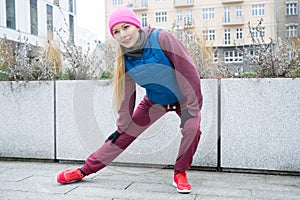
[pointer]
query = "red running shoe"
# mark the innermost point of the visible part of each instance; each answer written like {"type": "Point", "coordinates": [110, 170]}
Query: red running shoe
{"type": "Point", "coordinates": [181, 183]}
{"type": "Point", "coordinates": [68, 176]}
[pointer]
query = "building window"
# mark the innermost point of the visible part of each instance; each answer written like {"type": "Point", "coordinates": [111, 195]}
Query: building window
{"type": "Point", "coordinates": [208, 13]}
{"type": "Point", "coordinates": [180, 35]}
{"type": "Point", "coordinates": [258, 10]}
{"type": "Point", "coordinates": [205, 35]}
{"type": "Point", "coordinates": [227, 15]}
{"type": "Point", "coordinates": [49, 22]}
{"type": "Point", "coordinates": [71, 26]}
{"type": "Point", "coordinates": [71, 6]}
{"type": "Point", "coordinates": [161, 17]}
{"type": "Point", "coordinates": [291, 8]}
{"type": "Point", "coordinates": [144, 20]}
{"type": "Point", "coordinates": [209, 35]}
{"type": "Point", "coordinates": [233, 56]}
{"type": "Point", "coordinates": [256, 33]}
{"type": "Point", "coordinates": [252, 53]}
{"type": "Point", "coordinates": [238, 11]}
{"type": "Point", "coordinates": [117, 2]}
{"type": "Point", "coordinates": [189, 17]}
{"type": "Point", "coordinates": [179, 16]}
{"type": "Point", "coordinates": [215, 58]}
{"type": "Point", "coordinates": [10, 14]}
{"type": "Point", "coordinates": [33, 17]}
{"type": "Point", "coordinates": [144, 3]}
{"type": "Point", "coordinates": [227, 36]}
{"type": "Point", "coordinates": [292, 31]}
{"type": "Point", "coordinates": [239, 33]}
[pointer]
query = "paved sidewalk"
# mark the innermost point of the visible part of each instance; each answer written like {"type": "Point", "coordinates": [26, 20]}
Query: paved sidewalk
{"type": "Point", "coordinates": [36, 180]}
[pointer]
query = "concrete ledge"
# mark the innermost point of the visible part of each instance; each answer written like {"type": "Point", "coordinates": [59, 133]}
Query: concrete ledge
{"type": "Point", "coordinates": [260, 124]}
{"type": "Point", "coordinates": [68, 120]}
{"type": "Point", "coordinates": [27, 120]}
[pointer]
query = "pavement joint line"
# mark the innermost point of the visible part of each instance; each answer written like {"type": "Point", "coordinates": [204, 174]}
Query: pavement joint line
{"type": "Point", "coordinates": [71, 190]}
{"type": "Point", "coordinates": [128, 186]}
{"type": "Point", "coordinates": [252, 194]}
{"type": "Point", "coordinates": [24, 178]}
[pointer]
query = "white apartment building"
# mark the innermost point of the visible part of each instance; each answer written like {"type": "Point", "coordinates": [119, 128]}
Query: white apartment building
{"type": "Point", "coordinates": [37, 20]}
{"type": "Point", "coordinates": [224, 24]}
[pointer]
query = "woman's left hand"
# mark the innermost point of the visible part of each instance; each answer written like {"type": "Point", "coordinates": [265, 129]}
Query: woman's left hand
{"type": "Point", "coordinates": [113, 137]}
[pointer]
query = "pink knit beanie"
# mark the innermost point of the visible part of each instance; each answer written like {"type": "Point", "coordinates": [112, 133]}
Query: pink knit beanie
{"type": "Point", "coordinates": [122, 14]}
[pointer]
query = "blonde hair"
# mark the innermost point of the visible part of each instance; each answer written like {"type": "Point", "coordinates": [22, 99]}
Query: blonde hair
{"type": "Point", "coordinates": [119, 79]}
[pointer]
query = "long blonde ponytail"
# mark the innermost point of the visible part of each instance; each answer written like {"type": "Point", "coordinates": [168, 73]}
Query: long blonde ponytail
{"type": "Point", "coordinates": [119, 79]}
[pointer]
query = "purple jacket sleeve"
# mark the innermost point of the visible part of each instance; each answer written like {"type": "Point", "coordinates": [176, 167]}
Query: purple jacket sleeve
{"type": "Point", "coordinates": [186, 72]}
{"type": "Point", "coordinates": [127, 105]}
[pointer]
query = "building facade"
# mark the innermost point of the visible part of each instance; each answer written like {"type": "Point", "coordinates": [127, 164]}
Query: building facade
{"type": "Point", "coordinates": [37, 20]}
{"type": "Point", "coordinates": [224, 24]}
{"type": "Point", "coordinates": [287, 18]}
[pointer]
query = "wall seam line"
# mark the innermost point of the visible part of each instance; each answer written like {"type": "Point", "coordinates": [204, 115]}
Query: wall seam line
{"type": "Point", "coordinates": [55, 121]}
{"type": "Point", "coordinates": [219, 167]}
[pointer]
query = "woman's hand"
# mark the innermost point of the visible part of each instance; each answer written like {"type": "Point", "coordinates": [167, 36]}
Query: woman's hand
{"type": "Point", "coordinates": [185, 115]}
{"type": "Point", "coordinates": [113, 137]}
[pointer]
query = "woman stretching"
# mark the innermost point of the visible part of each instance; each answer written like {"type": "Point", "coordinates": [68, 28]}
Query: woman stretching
{"type": "Point", "coordinates": [158, 62]}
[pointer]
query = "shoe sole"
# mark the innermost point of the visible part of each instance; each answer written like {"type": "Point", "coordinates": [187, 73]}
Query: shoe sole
{"type": "Point", "coordinates": [181, 191]}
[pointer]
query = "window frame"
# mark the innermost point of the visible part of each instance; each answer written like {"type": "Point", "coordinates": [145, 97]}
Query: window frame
{"type": "Point", "coordinates": [239, 33]}
{"type": "Point", "coordinates": [227, 37]}
{"type": "Point", "coordinates": [11, 14]}
{"type": "Point", "coordinates": [33, 17]}
{"type": "Point", "coordinates": [161, 17]}
{"type": "Point", "coordinates": [292, 30]}
{"type": "Point", "coordinates": [291, 8]}
{"type": "Point", "coordinates": [233, 56]}
{"type": "Point", "coordinates": [144, 20]}
{"type": "Point", "coordinates": [208, 13]}
{"type": "Point", "coordinates": [179, 16]}
{"type": "Point", "coordinates": [258, 10]}
{"type": "Point", "coordinates": [239, 11]}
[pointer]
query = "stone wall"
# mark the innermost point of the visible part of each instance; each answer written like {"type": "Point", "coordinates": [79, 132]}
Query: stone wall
{"type": "Point", "coordinates": [246, 124]}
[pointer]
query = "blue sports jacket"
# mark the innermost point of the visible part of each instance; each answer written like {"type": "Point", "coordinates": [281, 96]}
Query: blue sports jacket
{"type": "Point", "coordinates": [154, 72]}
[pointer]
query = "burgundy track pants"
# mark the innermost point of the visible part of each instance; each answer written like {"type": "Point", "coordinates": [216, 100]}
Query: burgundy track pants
{"type": "Point", "coordinates": [144, 116]}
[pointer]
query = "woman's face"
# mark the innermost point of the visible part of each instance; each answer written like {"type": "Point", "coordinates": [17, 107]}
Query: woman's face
{"type": "Point", "coordinates": [126, 34]}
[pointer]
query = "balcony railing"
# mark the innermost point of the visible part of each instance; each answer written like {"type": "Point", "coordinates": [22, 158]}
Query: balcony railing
{"type": "Point", "coordinates": [232, 1]}
{"type": "Point", "coordinates": [139, 5]}
{"type": "Point", "coordinates": [183, 3]}
{"type": "Point", "coordinates": [185, 24]}
{"type": "Point", "coordinates": [234, 21]}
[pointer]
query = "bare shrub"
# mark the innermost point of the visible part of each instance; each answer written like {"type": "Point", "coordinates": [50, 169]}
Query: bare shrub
{"type": "Point", "coordinates": [276, 58]}
{"type": "Point", "coordinates": [21, 61]}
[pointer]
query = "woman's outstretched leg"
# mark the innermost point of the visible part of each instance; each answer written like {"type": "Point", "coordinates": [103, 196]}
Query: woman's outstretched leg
{"type": "Point", "coordinates": [144, 116]}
